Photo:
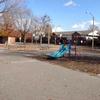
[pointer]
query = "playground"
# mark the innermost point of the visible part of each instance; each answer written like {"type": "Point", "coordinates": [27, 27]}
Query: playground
{"type": "Point", "coordinates": [78, 58]}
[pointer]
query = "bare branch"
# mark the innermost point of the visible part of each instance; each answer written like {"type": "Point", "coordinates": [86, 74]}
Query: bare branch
{"type": "Point", "coordinates": [7, 5]}
{"type": "Point", "coordinates": [2, 1]}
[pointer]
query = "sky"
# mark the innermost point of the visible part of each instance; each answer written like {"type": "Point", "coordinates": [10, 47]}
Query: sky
{"type": "Point", "coordinates": [67, 15]}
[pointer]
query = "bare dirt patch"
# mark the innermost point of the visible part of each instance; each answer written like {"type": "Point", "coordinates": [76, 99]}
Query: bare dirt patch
{"type": "Point", "coordinates": [86, 64]}
{"type": "Point", "coordinates": [88, 60]}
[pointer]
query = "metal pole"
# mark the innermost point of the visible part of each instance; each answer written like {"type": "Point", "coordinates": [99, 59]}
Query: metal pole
{"type": "Point", "coordinates": [55, 34]}
{"type": "Point", "coordinates": [93, 34]}
{"type": "Point", "coordinates": [92, 28]}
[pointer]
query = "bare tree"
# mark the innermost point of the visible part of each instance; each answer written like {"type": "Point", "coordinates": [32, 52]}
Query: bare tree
{"type": "Point", "coordinates": [8, 9]}
{"type": "Point", "coordinates": [47, 26]}
{"type": "Point", "coordinates": [23, 22]}
{"type": "Point", "coordinates": [6, 24]}
{"type": "Point", "coordinates": [95, 28]}
{"type": "Point", "coordinates": [2, 4]}
{"type": "Point", "coordinates": [44, 23]}
{"type": "Point", "coordinates": [35, 27]}
{"type": "Point", "coordinates": [48, 31]}
{"type": "Point", "coordinates": [7, 5]}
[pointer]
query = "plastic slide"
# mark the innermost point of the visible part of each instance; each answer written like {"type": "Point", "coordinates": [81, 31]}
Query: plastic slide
{"type": "Point", "coordinates": [60, 53]}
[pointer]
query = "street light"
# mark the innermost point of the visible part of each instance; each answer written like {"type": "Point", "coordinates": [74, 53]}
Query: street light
{"type": "Point", "coordinates": [92, 28]}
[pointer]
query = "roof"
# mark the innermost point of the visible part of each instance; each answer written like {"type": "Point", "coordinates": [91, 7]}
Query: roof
{"type": "Point", "coordinates": [95, 33]}
{"type": "Point", "coordinates": [69, 33]}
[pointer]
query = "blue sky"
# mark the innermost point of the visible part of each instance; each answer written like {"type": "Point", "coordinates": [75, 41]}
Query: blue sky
{"type": "Point", "coordinates": [67, 14]}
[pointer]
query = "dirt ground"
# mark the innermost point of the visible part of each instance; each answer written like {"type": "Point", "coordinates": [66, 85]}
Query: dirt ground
{"type": "Point", "coordinates": [86, 63]}
{"type": "Point", "coordinates": [83, 63]}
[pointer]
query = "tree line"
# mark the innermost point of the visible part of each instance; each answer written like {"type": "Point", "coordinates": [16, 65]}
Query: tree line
{"type": "Point", "coordinates": [15, 17]}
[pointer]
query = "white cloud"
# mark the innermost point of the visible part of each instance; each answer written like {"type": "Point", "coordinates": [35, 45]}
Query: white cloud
{"type": "Point", "coordinates": [58, 29]}
{"type": "Point", "coordinates": [84, 25]}
{"type": "Point", "coordinates": [79, 25]}
{"type": "Point", "coordinates": [70, 3]}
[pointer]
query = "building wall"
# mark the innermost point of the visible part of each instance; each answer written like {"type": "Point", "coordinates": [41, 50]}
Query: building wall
{"type": "Point", "coordinates": [69, 33]}
{"type": "Point", "coordinates": [11, 40]}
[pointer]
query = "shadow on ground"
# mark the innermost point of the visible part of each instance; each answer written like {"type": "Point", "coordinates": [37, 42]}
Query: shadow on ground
{"type": "Point", "coordinates": [82, 63]}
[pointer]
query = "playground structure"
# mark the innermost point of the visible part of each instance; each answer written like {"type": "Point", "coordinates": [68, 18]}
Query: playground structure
{"type": "Point", "coordinates": [61, 52]}
{"type": "Point", "coordinates": [65, 49]}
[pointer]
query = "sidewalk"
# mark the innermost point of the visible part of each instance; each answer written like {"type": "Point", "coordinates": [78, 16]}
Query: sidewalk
{"type": "Point", "coordinates": [24, 78]}
{"type": "Point", "coordinates": [35, 80]}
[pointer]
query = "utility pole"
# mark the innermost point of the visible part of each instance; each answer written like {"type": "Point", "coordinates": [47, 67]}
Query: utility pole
{"type": "Point", "coordinates": [93, 34]}
{"type": "Point", "coordinates": [92, 27]}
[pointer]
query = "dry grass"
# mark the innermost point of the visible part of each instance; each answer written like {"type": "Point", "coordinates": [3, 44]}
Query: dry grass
{"type": "Point", "coordinates": [83, 64]}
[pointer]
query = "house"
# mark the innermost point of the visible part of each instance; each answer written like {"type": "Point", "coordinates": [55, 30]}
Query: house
{"type": "Point", "coordinates": [69, 34]}
{"type": "Point", "coordinates": [82, 35]}
{"type": "Point", "coordinates": [92, 35]}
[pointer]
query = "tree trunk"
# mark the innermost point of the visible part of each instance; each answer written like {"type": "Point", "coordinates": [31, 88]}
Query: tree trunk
{"type": "Point", "coordinates": [24, 39]}
{"type": "Point", "coordinates": [48, 38]}
{"type": "Point", "coordinates": [41, 39]}
{"type": "Point", "coordinates": [32, 38]}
